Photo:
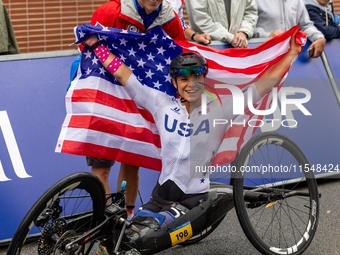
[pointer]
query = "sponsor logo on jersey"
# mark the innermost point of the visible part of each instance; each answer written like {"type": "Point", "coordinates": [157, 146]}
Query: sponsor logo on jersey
{"type": "Point", "coordinates": [176, 110]}
{"type": "Point", "coordinates": [133, 28]}
{"type": "Point", "coordinates": [186, 129]}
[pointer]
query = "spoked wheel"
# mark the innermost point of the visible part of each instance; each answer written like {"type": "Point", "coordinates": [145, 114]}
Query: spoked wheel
{"type": "Point", "coordinates": [276, 195]}
{"type": "Point", "coordinates": [66, 210]}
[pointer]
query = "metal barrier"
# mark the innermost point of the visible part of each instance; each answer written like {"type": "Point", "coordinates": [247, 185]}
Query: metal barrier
{"type": "Point", "coordinates": [32, 92]}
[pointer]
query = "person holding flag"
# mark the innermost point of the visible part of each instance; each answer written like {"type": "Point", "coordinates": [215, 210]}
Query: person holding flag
{"type": "Point", "coordinates": [138, 16]}
{"type": "Point", "coordinates": [188, 71]}
{"type": "Point", "coordinates": [160, 131]}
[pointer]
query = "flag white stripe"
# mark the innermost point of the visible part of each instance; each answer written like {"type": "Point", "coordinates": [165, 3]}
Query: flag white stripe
{"type": "Point", "coordinates": [107, 112]}
{"type": "Point", "coordinates": [112, 141]}
{"type": "Point", "coordinates": [241, 120]}
{"type": "Point", "coordinates": [229, 144]}
{"type": "Point", "coordinates": [246, 62]}
{"type": "Point", "coordinates": [97, 83]}
{"type": "Point", "coordinates": [63, 133]}
{"type": "Point", "coordinates": [248, 132]}
{"type": "Point", "coordinates": [237, 78]}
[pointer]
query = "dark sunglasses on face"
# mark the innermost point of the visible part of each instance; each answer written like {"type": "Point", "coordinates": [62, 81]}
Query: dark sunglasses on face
{"type": "Point", "coordinates": [197, 70]}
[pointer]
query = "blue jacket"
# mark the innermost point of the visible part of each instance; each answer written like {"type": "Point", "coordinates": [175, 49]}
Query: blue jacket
{"type": "Point", "coordinates": [318, 16]}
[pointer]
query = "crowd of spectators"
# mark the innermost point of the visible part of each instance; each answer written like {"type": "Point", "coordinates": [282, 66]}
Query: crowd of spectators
{"type": "Point", "coordinates": [234, 22]}
{"type": "Point", "coordinates": [322, 14]}
{"type": "Point", "coordinates": [230, 21]}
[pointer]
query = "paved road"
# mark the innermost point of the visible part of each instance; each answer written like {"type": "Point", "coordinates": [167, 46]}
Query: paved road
{"type": "Point", "coordinates": [230, 239]}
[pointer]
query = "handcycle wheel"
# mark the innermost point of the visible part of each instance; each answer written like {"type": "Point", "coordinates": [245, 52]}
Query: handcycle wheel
{"type": "Point", "coordinates": [276, 195]}
{"type": "Point", "coordinates": [66, 210]}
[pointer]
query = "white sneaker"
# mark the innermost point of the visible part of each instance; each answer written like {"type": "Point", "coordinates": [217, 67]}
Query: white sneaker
{"type": "Point", "coordinates": [130, 217]}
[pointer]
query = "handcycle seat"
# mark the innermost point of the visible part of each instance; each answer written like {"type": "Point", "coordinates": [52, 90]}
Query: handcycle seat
{"type": "Point", "coordinates": [216, 190]}
{"type": "Point", "coordinates": [216, 205]}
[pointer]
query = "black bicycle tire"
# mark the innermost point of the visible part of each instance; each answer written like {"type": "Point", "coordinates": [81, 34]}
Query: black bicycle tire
{"type": "Point", "coordinates": [82, 180]}
{"type": "Point", "coordinates": [240, 207]}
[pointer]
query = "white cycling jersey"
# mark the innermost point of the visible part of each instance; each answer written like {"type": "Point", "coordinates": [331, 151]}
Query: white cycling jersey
{"type": "Point", "coordinates": [187, 140]}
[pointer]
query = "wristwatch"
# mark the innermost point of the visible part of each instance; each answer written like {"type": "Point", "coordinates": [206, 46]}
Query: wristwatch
{"type": "Point", "coordinates": [96, 44]}
{"type": "Point", "coordinates": [193, 35]}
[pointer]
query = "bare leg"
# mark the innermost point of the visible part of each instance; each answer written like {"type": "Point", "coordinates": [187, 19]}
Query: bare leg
{"type": "Point", "coordinates": [103, 174]}
{"type": "Point", "coordinates": [130, 174]}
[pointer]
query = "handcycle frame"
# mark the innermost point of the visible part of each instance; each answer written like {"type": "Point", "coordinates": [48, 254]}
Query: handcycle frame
{"type": "Point", "coordinates": [202, 219]}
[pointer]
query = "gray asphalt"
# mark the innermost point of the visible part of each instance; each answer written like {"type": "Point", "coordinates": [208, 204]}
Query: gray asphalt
{"type": "Point", "coordinates": [229, 238]}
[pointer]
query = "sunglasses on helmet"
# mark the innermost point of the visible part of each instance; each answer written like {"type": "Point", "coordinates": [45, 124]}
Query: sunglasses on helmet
{"type": "Point", "coordinates": [197, 70]}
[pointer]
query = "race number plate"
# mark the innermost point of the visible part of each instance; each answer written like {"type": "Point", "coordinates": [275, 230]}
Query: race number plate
{"type": "Point", "coordinates": [180, 233]}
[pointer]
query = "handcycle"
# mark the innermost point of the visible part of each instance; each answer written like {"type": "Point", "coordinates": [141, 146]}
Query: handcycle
{"type": "Point", "coordinates": [277, 209]}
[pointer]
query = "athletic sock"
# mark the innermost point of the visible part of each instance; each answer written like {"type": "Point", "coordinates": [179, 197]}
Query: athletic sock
{"type": "Point", "coordinates": [130, 209]}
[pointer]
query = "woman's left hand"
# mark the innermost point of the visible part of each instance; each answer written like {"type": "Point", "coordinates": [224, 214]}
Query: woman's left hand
{"type": "Point", "coordinates": [294, 47]}
{"type": "Point", "coordinates": [91, 40]}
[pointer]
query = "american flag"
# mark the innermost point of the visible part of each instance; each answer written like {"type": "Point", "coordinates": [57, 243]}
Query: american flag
{"type": "Point", "coordinates": [102, 121]}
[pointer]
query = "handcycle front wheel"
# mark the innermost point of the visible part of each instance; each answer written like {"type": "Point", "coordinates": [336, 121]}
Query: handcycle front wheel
{"type": "Point", "coordinates": [66, 210]}
{"type": "Point", "coordinates": [276, 195]}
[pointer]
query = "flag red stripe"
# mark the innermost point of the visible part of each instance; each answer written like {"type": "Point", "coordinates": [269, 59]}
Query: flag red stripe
{"type": "Point", "coordinates": [249, 71]}
{"type": "Point", "coordinates": [228, 156]}
{"type": "Point", "coordinates": [234, 131]}
{"type": "Point", "coordinates": [224, 157]}
{"type": "Point", "coordinates": [99, 97]}
{"type": "Point", "coordinates": [97, 151]}
{"type": "Point", "coordinates": [261, 107]}
{"type": "Point", "coordinates": [114, 128]}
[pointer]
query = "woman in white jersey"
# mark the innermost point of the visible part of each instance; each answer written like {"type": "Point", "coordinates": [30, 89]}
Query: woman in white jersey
{"type": "Point", "coordinates": [188, 138]}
